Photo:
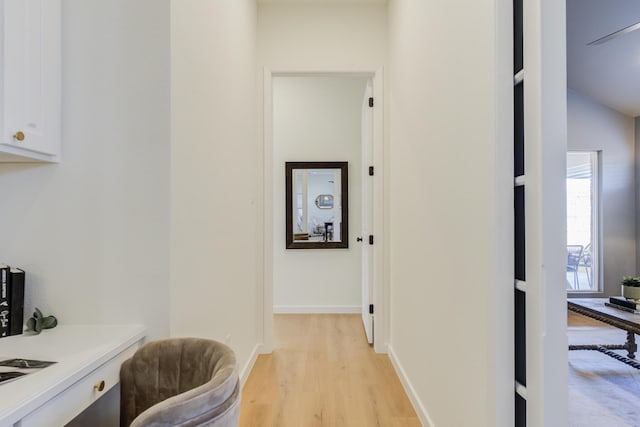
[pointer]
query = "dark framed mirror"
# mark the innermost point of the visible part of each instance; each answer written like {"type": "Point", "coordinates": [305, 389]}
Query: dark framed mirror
{"type": "Point", "coordinates": [317, 205]}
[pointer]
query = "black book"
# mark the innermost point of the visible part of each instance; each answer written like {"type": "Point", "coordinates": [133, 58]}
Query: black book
{"type": "Point", "coordinates": [624, 302]}
{"type": "Point", "coordinates": [16, 298]}
{"type": "Point", "coordinates": [4, 300]}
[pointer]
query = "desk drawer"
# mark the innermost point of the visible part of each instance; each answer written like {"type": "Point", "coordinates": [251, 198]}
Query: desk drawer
{"type": "Point", "coordinates": [72, 401]}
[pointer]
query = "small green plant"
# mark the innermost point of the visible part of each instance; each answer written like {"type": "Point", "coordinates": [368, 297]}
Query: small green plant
{"type": "Point", "coordinates": [633, 282]}
{"type": "Point", "coordinates": [39, 322]}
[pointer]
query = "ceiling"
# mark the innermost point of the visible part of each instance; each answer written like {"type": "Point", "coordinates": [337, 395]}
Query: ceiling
{"type": "Point", "coordinates": [608, 72]}
{"type": "Point", "coordinates": [323, 1]}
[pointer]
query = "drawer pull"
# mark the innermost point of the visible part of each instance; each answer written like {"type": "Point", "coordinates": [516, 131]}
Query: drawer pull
{"type": "Point", "coordinates": [99, 386]}
{"type": "Point", "coordinates": [19, 136]}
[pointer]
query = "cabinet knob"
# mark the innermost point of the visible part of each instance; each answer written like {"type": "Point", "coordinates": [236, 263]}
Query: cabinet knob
{"type": "Point", "coordinates": [99, 386]}
{"type": "Point", "coordinates": [19, 136]}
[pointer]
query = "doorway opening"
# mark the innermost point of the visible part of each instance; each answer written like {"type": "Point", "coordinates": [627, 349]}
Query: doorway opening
{"type": "Point", "coordinates": [602, 240]}
{"type": "Point", "coordinates": [324, 117]}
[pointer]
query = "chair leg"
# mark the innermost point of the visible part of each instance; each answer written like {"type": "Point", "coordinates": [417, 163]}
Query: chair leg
{"type": "Point", "coordinates": [571, 283]}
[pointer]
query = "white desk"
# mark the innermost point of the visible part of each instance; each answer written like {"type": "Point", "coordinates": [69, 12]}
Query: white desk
{"type": "Point", "coordinates": [54, 395]}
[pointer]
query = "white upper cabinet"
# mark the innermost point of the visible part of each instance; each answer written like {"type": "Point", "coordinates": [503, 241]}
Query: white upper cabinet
{"type": "Point", "coordinates": [31, 81]}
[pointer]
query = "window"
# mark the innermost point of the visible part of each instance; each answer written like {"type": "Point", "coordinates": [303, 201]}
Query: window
{"type": "Point", "coordinates": [583, 221]}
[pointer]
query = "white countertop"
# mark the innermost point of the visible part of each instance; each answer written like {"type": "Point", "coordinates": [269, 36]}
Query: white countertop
{"type": "Point", "coordinates": [77, 349]}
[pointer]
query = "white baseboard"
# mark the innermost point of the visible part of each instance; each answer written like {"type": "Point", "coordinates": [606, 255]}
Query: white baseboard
{"type": "Point", "coordinates": [425, 419]}
{"type": "Point", "coordinates": [246, 370]}
{"type": "Point", "coordinates": [316, 309]}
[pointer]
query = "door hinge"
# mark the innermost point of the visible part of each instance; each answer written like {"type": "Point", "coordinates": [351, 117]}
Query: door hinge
{"type": "Point", "coordinates": [371, 102]}
{"type": "Point", "coordinates": [370, 308]}
{"type": "Point", "coordinates": [370, 170]}
{"type": "Point", "coordinates": [371, 239]}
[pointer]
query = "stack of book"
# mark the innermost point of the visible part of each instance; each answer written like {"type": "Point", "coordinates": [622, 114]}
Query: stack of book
{"type": "Point", "coordinates": [624, 304]}
{"type": "Point", "coordinates": [11, 300]}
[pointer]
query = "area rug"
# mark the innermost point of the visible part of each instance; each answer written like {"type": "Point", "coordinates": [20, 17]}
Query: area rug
{"type": "Point", "coordinates": [603, 392]}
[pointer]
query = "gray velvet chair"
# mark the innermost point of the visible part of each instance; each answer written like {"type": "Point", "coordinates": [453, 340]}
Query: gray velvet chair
{"type": "Point", "coordinates": [180, 382]}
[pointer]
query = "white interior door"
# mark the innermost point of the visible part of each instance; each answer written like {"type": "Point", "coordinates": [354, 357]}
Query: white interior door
{"type": "Point", "coordinates": [367, 212]}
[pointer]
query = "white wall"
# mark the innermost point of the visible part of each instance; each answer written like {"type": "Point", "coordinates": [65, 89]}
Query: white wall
{"type": "Point", "coordinates": [317, 119]}
{"type": "Point", "coordinates": [451, 210]}
{"type": "Point", "coordinates": [315, 36]}
{"type": "Point", "coordinates": [91, 231]}
{"type": "Point", "coordinates": [215, 170]}
{"type": "Point", "coordinates": [592, 126]}
{"type": "Point", "coordinates": [637, 182]}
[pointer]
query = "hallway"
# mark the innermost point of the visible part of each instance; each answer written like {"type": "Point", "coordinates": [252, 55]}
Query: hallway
{"type": "Point", "coordinates": [323, 373]}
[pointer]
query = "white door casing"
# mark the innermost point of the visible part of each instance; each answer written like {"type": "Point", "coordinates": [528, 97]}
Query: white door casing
{"type": "Point", "coordinates": [379, 290]}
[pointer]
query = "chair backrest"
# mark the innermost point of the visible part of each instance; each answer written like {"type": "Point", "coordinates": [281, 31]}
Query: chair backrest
{"type": "Point", "coordinates": [180, 382]}
{"type": "Point", "coordinates": [586, 256]}
{"type": "Point", "coordinates": [574, 253]}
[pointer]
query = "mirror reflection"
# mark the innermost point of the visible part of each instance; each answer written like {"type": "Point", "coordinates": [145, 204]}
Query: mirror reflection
{"type": "Point", "coordinates": [324, 201]}
{"type": "Point", "coordinates": [316, 205]}
{"type": "Point", "coordinates": [315, 213]}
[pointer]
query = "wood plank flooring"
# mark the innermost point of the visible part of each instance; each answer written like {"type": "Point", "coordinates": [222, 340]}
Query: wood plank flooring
{"type": "Point", "coordinates": [323, 373]}
{"type": "Point", "coordinates": [576, 319]}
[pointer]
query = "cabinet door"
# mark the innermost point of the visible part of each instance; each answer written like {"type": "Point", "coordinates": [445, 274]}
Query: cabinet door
{"type": "Point", "coordinates": [32, 78]}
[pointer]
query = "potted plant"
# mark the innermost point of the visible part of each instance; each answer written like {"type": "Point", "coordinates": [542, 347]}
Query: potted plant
{"type": "Point", "coordinates": [631, 288]}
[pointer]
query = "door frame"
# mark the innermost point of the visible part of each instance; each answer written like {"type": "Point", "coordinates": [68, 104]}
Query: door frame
{"type": "Point", "coordinates": [380, 286]}
{"type": "Point", "coordinates": [545, 134]}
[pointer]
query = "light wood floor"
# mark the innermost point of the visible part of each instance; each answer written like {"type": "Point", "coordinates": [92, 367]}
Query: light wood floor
{"type": "Point", "coordinates": [575, 319]}
{"type": "Point", "coordinates": [323, 373]}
